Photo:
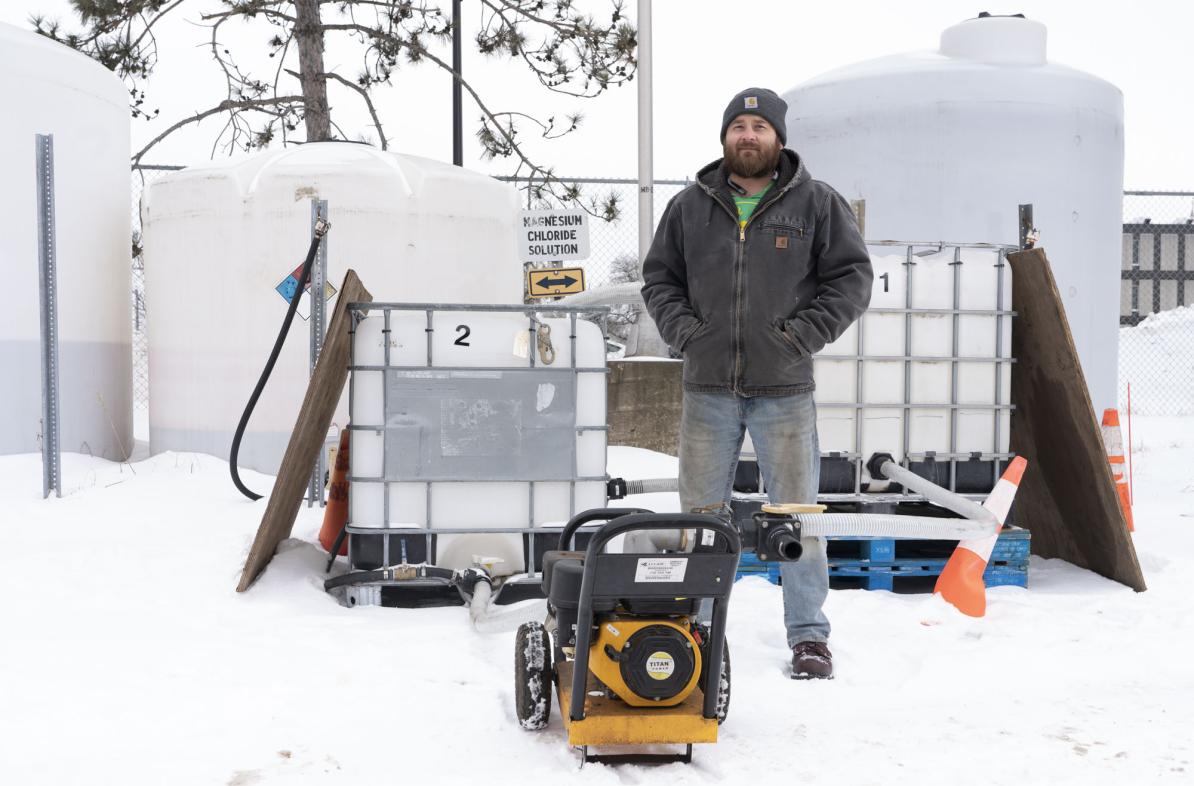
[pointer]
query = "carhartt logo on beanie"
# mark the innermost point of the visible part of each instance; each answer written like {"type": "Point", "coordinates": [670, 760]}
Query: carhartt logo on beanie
{"type": "Point", "coordinates": [758, 101]}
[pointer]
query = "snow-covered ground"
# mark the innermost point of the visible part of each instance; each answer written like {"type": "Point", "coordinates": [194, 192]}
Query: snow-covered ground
{"type": "Point", "coordinates": [128, 658]}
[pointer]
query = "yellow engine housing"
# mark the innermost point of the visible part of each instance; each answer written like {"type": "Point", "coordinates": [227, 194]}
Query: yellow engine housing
{"type": "Point", "coordinates": [651, 666]}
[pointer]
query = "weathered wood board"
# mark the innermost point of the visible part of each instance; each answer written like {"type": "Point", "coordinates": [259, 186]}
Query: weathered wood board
{"type": "Point", "coordinates": [1067, 497]}
{"type": "Point", "coordinates": [314, 418]}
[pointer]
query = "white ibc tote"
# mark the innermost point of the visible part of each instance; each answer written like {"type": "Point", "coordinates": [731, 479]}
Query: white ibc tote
{"type": "Point", "coordinates": [220, 238]}
{"type": "Point", "coordinates": [926, 371]}
{"type": "Point", "coordinates": [945, 145]}
{"type": "Point", "coordinates": [470, 427]}
{"type": "Point", "coordinates": [924, 374]}
{"type": "Point", "coordinates": [50, 89]}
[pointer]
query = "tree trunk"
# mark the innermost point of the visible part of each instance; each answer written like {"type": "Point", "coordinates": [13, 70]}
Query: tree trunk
{"type": "Point", "coordinates": [309, 34]}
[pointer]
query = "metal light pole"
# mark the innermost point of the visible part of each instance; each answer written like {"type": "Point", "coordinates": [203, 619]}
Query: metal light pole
{"type": "Point", "coordinates": [646, 186]}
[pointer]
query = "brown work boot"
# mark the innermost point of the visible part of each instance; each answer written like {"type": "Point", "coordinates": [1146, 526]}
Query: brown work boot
{"type": "Point", "coordinates": [812, 660]}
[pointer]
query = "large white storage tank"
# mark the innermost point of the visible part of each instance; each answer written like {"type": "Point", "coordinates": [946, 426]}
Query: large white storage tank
{"type": "Point", "coordinates": [220, 238]}
{"type": "Point", "coordinates": [945, 145]}
{"type": "Point", "coordinates": [50, 89]}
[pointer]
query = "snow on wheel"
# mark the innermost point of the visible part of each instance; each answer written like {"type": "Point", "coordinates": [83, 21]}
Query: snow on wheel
{"type": "Point", "coordinates": [723, 686]}
{"type": "Point", "coordinates": [532, 676]}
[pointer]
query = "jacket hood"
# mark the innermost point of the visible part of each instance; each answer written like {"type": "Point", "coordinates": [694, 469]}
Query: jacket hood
{"type": "Point", "coordinates": [792, 172]}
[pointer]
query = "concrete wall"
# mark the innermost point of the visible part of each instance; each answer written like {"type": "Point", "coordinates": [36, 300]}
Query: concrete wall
{"type": "Point", "coordinates": [644, 404]}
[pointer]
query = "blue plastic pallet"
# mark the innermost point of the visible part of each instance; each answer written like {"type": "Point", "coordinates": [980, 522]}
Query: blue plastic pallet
{"type": "Point", "coordinates": [914, 578]}
{"type": "Point", "coordinates": [874, 565]}
{"type": "Point", "coordinates": [1012, 547]}
{"type": "Point", "coordinates": [886, 577]}
{"type": "Point", "coordinates": [749, 565]}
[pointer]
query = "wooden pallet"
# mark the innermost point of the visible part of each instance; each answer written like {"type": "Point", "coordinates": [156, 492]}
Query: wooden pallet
{"type": "Point", "coordinates": [1067, 497]}
{"type": "Point", "coordinates": [310, 429]}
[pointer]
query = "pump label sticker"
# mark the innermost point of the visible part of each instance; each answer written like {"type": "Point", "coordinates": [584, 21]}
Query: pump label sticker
{"type": "Point", "coordinates": [661, 569]}
{"type": "Point", "coordinates": [660, 665]}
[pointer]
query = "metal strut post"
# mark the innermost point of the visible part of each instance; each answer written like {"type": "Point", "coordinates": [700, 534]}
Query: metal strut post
{"type": "Point", "coordinates": [1028, 233]}
{"type": "Point", "coordinates": [51, 448]}
{"type": "Point", "coordinates": [319, 277]}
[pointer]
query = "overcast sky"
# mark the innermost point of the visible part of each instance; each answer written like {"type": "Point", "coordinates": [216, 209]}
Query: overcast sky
{"type": "Point", "coordinates": [705, 51]}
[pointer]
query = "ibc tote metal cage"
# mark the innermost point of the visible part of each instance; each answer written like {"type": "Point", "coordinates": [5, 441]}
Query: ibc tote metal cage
{"type": "Point", "coordinates": [370, 547]}
{"type": "Point", "coordinates": [969, 469]}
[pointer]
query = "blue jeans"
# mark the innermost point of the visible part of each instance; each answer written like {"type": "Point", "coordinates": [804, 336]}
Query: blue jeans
{"type": "Point", "coordinates": [784, 432]}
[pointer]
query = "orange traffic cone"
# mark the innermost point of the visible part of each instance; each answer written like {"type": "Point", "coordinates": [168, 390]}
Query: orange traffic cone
{"type": "Point", "coordinates": [1113, 441]}
{"type": "Point", "coordinates": [335, 515]}
{"type": "Point", "coordinates": [961, 582]}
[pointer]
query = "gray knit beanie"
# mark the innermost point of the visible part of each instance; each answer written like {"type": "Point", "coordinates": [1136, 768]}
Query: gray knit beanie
{"type": "Point", "coordinates": [758, 101]}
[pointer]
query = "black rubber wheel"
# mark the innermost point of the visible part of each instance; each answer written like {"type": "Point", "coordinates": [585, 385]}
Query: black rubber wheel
{"type": "Point", "coordinates": [723, 686]}
{"type": "Point", "coordinates": [532, 676]}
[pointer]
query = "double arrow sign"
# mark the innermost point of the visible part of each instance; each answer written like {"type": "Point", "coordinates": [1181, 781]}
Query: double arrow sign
{"type": "Point", "coordinates": [554, 282]}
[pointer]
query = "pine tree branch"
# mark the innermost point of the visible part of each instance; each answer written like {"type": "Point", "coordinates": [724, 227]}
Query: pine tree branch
{"type": "Point", "coordinates": [368, 103]}
{"type": "Point", "coordinates": [149, 23]}
{"type": "Point", "coordinates": [229, 105]}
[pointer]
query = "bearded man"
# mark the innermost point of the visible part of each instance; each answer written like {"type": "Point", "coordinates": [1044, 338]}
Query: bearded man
{"type": "Point", "coordinates": [753, 269]}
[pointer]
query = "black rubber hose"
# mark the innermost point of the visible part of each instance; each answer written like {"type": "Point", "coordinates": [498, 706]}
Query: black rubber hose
{"type": "Point", "coordinates": [320, 230]}
{"type": "Point", "coordinates": [405, 573]}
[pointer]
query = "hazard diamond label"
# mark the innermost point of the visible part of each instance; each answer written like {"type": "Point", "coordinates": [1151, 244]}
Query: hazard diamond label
{"type": "Point", "coordinates": [289, 285]}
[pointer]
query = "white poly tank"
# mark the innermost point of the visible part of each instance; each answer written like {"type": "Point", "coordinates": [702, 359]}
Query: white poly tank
{"type": "Point", "coordinates": [474, 428]}
{"type": "Point", "coordinates": [945, 145]}
{"type": "Point", "coordinates": [220, 239]}
{"type": "Point", "coordinates": [51, 89]}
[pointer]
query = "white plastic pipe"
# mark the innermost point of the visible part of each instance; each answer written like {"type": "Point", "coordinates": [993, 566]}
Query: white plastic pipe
{"type": "Point", "coordinates": [939, 496]}
{"type": "Point", "coordinates": [626, 294]}
{"type": "Point", "coordinates": [888, 525]}
{"type": "Point", "coordinates": [478, 607]}
{"type": "Point", "coordinates": [833, 525]}
{"type": "Point", "coordinates": [485, 617]}
{"type": "Point", "coordinates": [652, 486]}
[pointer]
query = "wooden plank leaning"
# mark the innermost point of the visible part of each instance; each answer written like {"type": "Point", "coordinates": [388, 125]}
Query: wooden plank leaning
{"type": "Point", "coordinates": [314, 418]}
{"type": "Point", "coordinates": [1067, 497]}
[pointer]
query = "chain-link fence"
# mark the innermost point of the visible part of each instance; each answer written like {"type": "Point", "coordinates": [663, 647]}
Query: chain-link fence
{"type": "Point", "coordinates": [142, 176]}
{"type": "Point", "coordinates": [1156, 345]}
{"type": "Point", "coordinates": [613, 245]}
{"type": "Point", "coordinates": [1156, 353]}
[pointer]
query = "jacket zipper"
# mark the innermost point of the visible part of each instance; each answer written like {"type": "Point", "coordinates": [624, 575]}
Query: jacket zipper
{"type": "Point", "coordinates": [739, 276]}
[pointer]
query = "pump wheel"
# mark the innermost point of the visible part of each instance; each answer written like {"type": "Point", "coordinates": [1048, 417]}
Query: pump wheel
{"type": "Point", "coordinates": [532, 676]}
{"type": "Point", "coordinates": [723, 685]}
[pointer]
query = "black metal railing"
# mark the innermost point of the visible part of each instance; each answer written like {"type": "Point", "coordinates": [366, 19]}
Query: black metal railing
{"type": "Point", "coordinates": [1156, 273]}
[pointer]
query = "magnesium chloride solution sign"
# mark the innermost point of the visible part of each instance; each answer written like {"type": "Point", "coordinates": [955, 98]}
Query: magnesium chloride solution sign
{"type": "Point", "coordinates": [553, 235]}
